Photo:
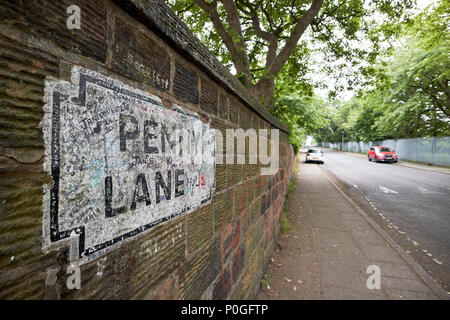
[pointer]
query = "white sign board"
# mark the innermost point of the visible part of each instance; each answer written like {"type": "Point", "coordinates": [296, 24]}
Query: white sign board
{"type": "Point", "coordinates": [121, 162]}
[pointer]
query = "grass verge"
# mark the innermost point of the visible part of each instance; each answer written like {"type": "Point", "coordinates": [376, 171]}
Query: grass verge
{"type": "Point", "coordinates": [284, 221]}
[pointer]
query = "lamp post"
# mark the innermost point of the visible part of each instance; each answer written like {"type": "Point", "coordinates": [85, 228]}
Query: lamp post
{"type": "Point", "coordinates": [343, 141]}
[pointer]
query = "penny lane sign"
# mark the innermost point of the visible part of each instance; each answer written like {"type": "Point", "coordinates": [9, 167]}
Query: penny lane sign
{"type": "Point", "coordinates": [121, 163]}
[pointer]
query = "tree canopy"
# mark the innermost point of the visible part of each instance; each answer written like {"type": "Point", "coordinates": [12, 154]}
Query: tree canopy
{"type": "Point", "coordinates": [410, 96]}
{"type": "Point", "coordinates": [302, 113]}
{"type": "Point", "coordinates": [265, 40]}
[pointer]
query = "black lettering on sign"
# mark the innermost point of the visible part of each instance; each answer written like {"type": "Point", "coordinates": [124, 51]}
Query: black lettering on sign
{"type": "Point", "coordinates": [166, 186]}
{"type": "Point", "coordinates": [124, 134]}
{"type": "Point", "coordinates": [149, 125]}
{"type": "Point", "coordinates": [141, 183]}
{"type": "Point", "coordinates": [179, 182]}
{"type": "Point", "coordinates": [111, 147]}
{"type": "Point", "coordinates": [164, 137]}
{"type": "Point", "coordinates": [109, 210]}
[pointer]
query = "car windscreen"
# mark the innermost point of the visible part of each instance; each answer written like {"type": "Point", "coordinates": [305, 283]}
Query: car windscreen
{"type": "Point", "coordinates": [384, 149]}
{"type": "Point", "coordinates": [314, 151]}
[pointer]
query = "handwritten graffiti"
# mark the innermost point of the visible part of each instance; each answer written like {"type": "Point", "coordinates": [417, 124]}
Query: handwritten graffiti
{"type": "Point", "coordinates": [121, 162]}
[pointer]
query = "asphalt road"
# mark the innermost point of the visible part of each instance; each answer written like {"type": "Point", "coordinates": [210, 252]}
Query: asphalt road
{"type": "Point", "coordinates": [411, 205]}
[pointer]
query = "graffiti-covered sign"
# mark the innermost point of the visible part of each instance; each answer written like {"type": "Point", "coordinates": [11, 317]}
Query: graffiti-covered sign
{"type": "Point", "coordinates": [121, 162]}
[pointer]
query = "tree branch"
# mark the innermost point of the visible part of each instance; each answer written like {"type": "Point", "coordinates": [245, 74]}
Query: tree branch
{"type": "Point", "coordinates": [180, 12]}
{"type": "Point", "coordinates": [269, 37]}
{"type": "Point", "coordinates": [438, 104]}
{"type": "Point", "coordinates": [233, 21]}
{"type": "Point", "coordinates": [298, 31]}
{"type": "Point", "coordinates": [237, 52]}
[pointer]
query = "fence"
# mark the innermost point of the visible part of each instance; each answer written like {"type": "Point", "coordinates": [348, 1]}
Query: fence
{"type": "Point", "coordinates": [435, 150]}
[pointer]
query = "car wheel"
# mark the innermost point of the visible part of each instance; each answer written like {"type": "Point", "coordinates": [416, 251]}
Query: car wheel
{"type": "Point", "coordinates": [368, 158]}
{"type": "Point", "coordinates": [375, 159]}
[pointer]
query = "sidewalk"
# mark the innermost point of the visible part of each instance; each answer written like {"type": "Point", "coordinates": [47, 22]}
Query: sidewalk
{"type": "Point", "coordinates": [326, 253]}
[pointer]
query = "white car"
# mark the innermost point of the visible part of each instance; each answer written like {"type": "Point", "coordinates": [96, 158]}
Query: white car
{"type": "Point", "coordinates": [315, 155]}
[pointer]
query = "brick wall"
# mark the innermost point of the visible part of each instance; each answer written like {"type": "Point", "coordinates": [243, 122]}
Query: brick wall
{"type": "Point", "coordinates": [218, 251]}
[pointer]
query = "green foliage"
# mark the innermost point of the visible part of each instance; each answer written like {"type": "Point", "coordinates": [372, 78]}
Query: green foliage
{"type": "Point", "coordinates": [406, 94]}
{"type": "Point", "coordinates": [267, 26]}
{"type": "Point", "coordinates": [302, 113]}
{"type": "Point", "coordinates": [252, 36]}
{"type": "Point", "coordinates": [285, 224]}
{"type": "Point", "coordinates": [293, 76]}
{"type": "Point", "coordinates": [290, 190]}
{"type": "Point", "coordinates": [410, 97]}
{"type": "Point", "coordinates": [265, 280]}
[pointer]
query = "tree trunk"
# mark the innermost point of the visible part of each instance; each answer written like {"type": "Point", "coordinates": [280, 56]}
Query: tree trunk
{"type": "Point", "coordinates": [233, 39]}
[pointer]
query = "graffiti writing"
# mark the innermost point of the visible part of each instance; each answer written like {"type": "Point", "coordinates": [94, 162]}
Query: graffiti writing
{"type": "Point", "coordinates": [121, 162]}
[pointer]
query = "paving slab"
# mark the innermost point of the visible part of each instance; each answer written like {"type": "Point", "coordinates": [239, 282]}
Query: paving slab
{"type": "Point", "coordinates": [401, 294]}
{"type": "Point", "coordinates": [396, 270]}
{"type": "Point", "coordinates": [329, 248]}
{"type": "Point", "coordinates": [338, 293]}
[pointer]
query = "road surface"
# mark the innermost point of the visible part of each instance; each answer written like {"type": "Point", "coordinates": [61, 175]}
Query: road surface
{"type": "Point", "coordinates": [411, 205]}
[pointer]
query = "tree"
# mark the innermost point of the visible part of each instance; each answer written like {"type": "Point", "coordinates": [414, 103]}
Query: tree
{"type": "Point", "coordinates": [410, 96]}
{"type": "Point", "coordinates": [258, 37]}
{"type": "Point", "coordinates": [425, 60]}
{"type": "Point", "coordinates": [417, 96]}
{"type": "Point", "coordinates": [302, 113]}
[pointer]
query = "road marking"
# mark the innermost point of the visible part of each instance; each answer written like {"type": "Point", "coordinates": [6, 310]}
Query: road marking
{"type": "Point", "coordinates": [386, 190]}
{"type": "Point", "coordinates": [427, 191]}
{"type": "Point", "coordinates": [392, 226]}
{"type": "Point", "coordinates": [423, 190]}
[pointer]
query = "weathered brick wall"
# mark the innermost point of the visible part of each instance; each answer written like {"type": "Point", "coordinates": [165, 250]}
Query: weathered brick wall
{"type": "Point", "coordinates": [219, 251]}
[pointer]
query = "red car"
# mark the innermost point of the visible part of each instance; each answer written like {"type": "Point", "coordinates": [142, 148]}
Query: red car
{"type": "Point", "coordinates": [382, 153]}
